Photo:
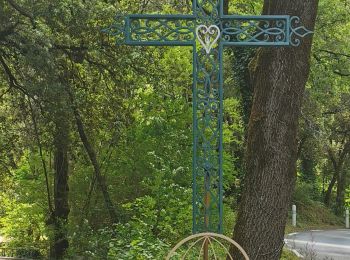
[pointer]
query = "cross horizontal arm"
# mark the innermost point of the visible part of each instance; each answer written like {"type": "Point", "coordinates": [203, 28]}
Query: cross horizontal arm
{"type": "Point", "coordinates": [179, 30]}
{"type": "Point", "coordinates": [264, 30]}
{"type": "Point", "coordinates": [154, 30]}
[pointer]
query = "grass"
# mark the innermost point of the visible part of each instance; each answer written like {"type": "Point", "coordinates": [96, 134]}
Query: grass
{"type": "Point", "coordinates": [314, 215]}
{"type": "Point", "coordinates": [288, 255]}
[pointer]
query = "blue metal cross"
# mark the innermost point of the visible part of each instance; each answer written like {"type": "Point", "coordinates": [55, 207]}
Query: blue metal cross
{"type": "Point", "coordinates": [210, 30]}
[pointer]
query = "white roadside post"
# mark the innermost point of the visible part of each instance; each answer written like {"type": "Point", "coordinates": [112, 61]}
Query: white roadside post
{"type": "Point", "coordinates": [294, 216]}
{"type": "Point", "coordinates": [347, 225]}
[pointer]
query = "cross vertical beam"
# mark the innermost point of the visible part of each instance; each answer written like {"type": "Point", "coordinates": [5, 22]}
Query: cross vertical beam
{"type": "Point", "coordinates": [207, 140]}
{"type": "Point", "coordinates": [208, 30]}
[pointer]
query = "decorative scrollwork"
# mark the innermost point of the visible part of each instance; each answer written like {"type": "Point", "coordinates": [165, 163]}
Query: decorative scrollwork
{"type": "Point", "coordinates": [161, 30]}
{"type": "Point", "coordinates": [216, 31]}
{"type": "Point", "coordinates": [254, 31]}
{"type": "Point", "coordinates": [207, 198]}
{"type": "Point", "coordinates": [117, 29]}
{"type": "Point", "coordinates": [181, 30]}
{"type": "Point", "coordinates": [297, 30]}
{"type": "Point", "coordinates": [207, 10]}
{"type": "Point", "coordinates": [208, 36]}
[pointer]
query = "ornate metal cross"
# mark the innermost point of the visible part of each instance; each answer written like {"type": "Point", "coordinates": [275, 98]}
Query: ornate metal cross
{"type": "Point", "coordinates": [208, 30]}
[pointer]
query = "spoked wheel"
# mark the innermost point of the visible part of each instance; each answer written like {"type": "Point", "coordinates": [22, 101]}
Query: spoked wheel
{"type": "Point", "coordinates": [206, 246]}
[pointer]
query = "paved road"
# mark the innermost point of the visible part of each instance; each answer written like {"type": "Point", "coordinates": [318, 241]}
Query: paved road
{"type": "Point", "coordinates": [320, 245]}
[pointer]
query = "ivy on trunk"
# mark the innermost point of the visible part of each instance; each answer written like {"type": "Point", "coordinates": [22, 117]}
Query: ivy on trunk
{"type": "Point", "coordinates": [279, 77]}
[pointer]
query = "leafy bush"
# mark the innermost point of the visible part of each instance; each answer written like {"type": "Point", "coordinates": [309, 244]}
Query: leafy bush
{"type": "Point", "coordinates": [151, 225]}
{"type": "Point", "coordinates": [304, 194]}
{"type": "Point", "coordinates": [135, 240]}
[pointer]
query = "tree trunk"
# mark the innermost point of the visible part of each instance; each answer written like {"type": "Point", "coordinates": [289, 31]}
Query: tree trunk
{"type": "Point", "coordinates": [327, 197]}
{"type": "Point", "coordinates": [340, 199]}
{"type": "Point", "coordinates": [339, 177]}
{"type": "Point", "coordinates": [279, 76]}
{"type": "Point", "coordinates": [61, 188]}
{"type": "Point", "coordinates": [308, 172]}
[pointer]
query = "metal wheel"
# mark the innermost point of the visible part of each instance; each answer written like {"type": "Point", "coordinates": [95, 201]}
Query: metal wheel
{"type": "Point", "coordinates": [205, 246]}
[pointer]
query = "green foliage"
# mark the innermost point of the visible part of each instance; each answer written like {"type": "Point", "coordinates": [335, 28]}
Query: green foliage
{"type": "Point", "coordinates": [154, 210]}
{"type": "Point", "coordinates": [152, 224]}
{"type": "Point", "coordinates": [22, 213]}
{"type": "Point", "coordinates": [305, 194]}
{"type": "Point", "coordinates": [325, 115]}
{"type": "Point", "coordinates": [24, 223]}
{"type": "Point", "coordinates": [312, 213]}
{"type": "Point", "coordinates": [135, 104]}
{"type": "Point", "coordinates": [288, 255]}
{"type": "Point", "coordinates": [135, 240]}
{"type": "Point", "coordinates": [347, 198]}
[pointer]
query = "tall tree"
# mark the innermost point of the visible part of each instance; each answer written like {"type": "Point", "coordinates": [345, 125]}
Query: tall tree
{"type": "Point", "coordinates": [338, 160]}
{"type": "Point", "coordinates": [59, 219]}
{"type": "Point", "coordinates": [279, 77]}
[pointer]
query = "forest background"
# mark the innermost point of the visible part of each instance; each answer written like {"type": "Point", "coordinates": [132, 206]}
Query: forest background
{"type": "Point", "coordinates": [96, 139]}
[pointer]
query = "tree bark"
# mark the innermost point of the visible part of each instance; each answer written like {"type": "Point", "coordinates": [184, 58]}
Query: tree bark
{"type": "Point", "coordinates": [279, 76]}
{"type": "Point", "coordinates": [61, 188]}
{"type": "Point", "coordinates": [327, 197]}
{"type": "Point", "coordinates": [340, 199]}
{"type": "Point", "coordinates": [339, 177]}
{"type": "Point", "coordinates": [308, 172]}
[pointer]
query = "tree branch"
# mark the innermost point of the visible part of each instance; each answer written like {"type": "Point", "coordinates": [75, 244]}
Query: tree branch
{"type": "Point", "coordinates": [332, 158]}
{"type": "Point", "coordinates": [11, 78]}
{"type": "Point", "coordinates": [342, 74]}
{"type": "Point", "coordinates": [93, 158]}
{"type": "Point", "coordinates": [22, 11]}
{"type": "Point", "coordinates": [335, 53]}
{"type": "Point", "coordinates": [36, 132]}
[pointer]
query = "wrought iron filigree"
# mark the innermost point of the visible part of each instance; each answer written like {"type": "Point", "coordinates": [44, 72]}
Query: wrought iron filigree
{"type": "Point", "coordinates": [297, 30]}
{"type": "Point", "coordinates": [117, 29]}
{"type": "Point", "coordinates": [258, 31]}
{"type": "Point", "coordinates": [161, 30]}
{"type": "Point", "coordinates": [207, 141]}
{"type": "Point", "coordinates": [208, 36]}
{"type": "Point", "coordinates": [155, 30]}
{"type": "Point", "coordinates": [207, 10]}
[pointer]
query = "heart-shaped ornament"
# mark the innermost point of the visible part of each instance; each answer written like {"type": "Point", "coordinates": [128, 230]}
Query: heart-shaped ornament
{"type": "Point", "coordinates": [208, 36]}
